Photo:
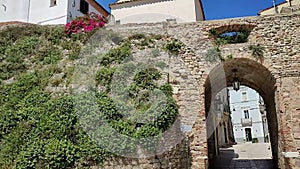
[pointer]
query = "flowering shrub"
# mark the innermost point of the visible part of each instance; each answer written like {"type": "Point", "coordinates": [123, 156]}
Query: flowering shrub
{"type": "Point", "coordinates": [85, 23]}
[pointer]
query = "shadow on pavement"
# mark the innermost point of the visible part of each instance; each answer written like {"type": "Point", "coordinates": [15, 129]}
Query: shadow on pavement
{"type": "Point", "coordinates": [228, 159]}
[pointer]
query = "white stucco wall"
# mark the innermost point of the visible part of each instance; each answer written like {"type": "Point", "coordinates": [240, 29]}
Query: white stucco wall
{"type": "Point", "coordinates": [14, 10]}
{"type": "Point", "coordinates": [34, 11]}
{"type": "Point", "coordinates": [271, 11]}
{"type": "Point", "coordinates": [155, 11]}
{"type": "Point", "coordinates": [40, 11]}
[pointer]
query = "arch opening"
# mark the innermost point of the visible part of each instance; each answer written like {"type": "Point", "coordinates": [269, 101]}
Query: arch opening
{"type": "Point", "coordinates": [251, 74]}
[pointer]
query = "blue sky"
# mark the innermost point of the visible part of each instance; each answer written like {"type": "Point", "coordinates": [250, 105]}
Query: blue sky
{"type": "Point", "coordinates": [218, 9]}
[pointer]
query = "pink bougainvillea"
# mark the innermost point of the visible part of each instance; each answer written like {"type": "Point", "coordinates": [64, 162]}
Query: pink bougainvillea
{"type": "Point", "coordinates": [85, 23]}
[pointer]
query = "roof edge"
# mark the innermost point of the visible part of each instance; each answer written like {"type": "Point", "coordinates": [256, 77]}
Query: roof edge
{"type": "Point", "coordinates": [117, 3]}
{"type": "Point", "coordinates": [98, 7]}
{"type": "Point", "coordinates": [258, 13]}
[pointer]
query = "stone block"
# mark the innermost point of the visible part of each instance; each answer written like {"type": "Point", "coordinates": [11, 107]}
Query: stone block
{"type": "Point", "coordinates": [296, 135]}
{"type": "Point", "coordinates": [297, 163]}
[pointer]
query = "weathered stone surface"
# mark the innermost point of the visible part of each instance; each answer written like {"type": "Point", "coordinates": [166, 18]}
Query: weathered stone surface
{"type": "Point", "coordinates": [276, 78]}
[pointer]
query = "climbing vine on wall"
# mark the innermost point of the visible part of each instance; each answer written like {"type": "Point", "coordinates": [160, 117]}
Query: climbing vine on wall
{"type": "Point", "coordinates": [39, 129]}
{"type": "Point", "coordinates": [144, 82]}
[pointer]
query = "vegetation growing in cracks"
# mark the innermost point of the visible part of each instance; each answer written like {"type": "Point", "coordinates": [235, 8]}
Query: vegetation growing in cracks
{"type": "Point", "coordinates": [213, 55]}
{"type": "Point", "coordinates": [222, 38]}
{"type": "Point", "coordinates": [174, 46]}
{"type": "Point", "coordinates": [41, 130]}
{"type": "Point", "coordinates": [231, 37]}
{"type": "Point", "coordinates": [144, 82]}
{"type": "Point", "coordinates": [257, 51]}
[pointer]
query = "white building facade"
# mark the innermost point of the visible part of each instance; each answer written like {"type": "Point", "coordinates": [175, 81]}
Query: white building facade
{"type": "Point", "coordinates": [151, 11]}
{"type": "Point", "coordinates": [47, 11]}
{"type": "Point", "coordinates": [248, 116]}
{"type": "Point", "coordinates": [288, 6]}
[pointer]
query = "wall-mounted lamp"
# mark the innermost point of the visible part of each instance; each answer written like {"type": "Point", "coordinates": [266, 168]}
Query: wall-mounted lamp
{"type": "Point", "coordinates": [235, 83]}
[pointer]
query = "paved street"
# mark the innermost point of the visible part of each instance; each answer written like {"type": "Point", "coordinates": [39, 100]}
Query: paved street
{"type": "Point", "coordinates": [245, 156]}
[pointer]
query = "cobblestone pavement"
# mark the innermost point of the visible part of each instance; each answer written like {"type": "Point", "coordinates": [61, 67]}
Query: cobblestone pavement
{"type": "Point", "coordinates": [245, 156]}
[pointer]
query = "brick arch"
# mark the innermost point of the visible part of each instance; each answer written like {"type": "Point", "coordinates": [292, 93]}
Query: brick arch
{"type": "Point", "coordinates": [251, 74]}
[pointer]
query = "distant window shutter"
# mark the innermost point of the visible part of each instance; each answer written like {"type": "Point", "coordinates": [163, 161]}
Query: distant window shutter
{"type": "Point", "coordinates": [244, 96]}
{"type": "Point", "coordinates": [84, 7]}
{"type": "Point", "coordinates": [52, 3]}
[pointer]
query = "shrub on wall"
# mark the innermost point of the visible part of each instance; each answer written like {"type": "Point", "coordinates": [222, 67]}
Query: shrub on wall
{"type": "Point", "coordinates": [41, 130]}
{"type": "Point", "coordinates": [257, 51]}
{"type": "Point", "coordinates": [229, 37]}
{"type": "Point", "coordinates": [85, 23]}
{"type": "Point", "coordinates": [174, 46]}
{"type": "Point", "coordinates": [213, 55]}
{"type": "Point", "coordinates": [38, 130]}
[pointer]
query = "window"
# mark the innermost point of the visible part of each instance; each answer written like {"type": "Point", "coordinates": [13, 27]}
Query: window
{"type": "Point", "coordinates": [244, 96]}
{"type": "Point", "coordinates": [52, 3]}
{"type": "Point", "coordinates": [246, 113]}
{"type": "Point", "coordinates": [84, 7]}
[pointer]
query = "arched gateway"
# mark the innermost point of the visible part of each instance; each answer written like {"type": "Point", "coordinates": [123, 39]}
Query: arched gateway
{"type": "Point", "coordinates": [252, 74]}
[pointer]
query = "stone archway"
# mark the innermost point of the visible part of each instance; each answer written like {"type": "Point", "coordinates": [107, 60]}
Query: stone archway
{"type": "Point", "coordinates": [251, 74]}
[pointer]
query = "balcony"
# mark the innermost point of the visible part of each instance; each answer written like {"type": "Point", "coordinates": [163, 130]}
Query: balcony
{"type": "Point", "coordinates": [246, 122]}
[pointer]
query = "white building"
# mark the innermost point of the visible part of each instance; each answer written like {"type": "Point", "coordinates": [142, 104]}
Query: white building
{"type": "Point", "coordinates": [288, 6]}
{"type": "Point", "coordinates": [150, 11]}
{"type": "Point", "coordinates": [248, 116]}
{"type": "Point", "coordinates": [47, 11]}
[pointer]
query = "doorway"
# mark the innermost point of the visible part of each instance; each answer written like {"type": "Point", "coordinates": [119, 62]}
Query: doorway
{"type": "Point", "coordinates": [248, 134]}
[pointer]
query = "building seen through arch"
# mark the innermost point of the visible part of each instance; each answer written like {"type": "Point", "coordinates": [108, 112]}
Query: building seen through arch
{"type": "Point", "coordinates": [240, 136]}
{"type": "Point", "coordinates": [248, 116]}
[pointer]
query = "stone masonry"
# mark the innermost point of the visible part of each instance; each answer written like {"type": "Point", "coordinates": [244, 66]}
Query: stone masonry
{"type": "Point", "coordinates": [276, 78]}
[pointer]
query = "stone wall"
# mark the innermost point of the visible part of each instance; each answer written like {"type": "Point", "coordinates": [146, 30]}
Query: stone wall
{"type": "Point", "coordinates": [178, 157]}
{"type": "Point", "coordinates": [277, 79]}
